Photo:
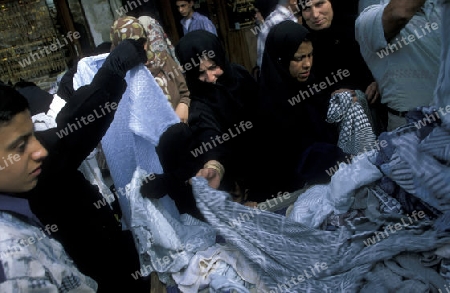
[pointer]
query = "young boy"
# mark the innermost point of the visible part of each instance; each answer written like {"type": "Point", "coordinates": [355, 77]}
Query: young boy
{"type": "Point", "coordinates": [30, 259]}
{"type": "Point", "coordinates": [193, 20]}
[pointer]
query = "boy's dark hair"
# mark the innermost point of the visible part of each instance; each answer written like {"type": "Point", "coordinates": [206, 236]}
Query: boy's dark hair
{"type": "Point", "coordinates": [175, 1]}
{"type": "Point", "coordinates": [11, 103]}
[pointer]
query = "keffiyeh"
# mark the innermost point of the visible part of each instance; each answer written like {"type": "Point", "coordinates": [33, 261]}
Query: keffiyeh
{"type": "Point", "coordinates": [355, 131]}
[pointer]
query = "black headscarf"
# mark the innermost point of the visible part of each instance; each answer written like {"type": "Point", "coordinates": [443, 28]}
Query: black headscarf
{"type": "Point", "coordinates": [190, 49]}
{"type": "Point", "coordinates": [299, 144]}
{"type": "Point", "coordinates": [336, 48]}
{"type": "Point", "coordinates": [276, 83]}
{"type": "Point", "coordinates": [233, 88]}
{"type": "Point", "coordinates": [214, 109]}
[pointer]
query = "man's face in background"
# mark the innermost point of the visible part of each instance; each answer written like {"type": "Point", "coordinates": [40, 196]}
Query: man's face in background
{"type": "Point", "coordinates": [185, 8]}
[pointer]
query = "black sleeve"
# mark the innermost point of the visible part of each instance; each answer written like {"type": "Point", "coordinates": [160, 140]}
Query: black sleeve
{"type": "Point", "coordinates": [84, 120]}
{"type": "Point", "coordinates": [65, 89]}
{"type": "Point", "coordinates": [206, 127]}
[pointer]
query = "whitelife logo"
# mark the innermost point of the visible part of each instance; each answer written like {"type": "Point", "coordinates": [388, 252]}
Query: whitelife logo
{"type": "Point", "coordinates": [394, 47]}
{"type": "Point", "coordinates": [53, 47]}
{"type": "Point", "coordinates": [206, 146]}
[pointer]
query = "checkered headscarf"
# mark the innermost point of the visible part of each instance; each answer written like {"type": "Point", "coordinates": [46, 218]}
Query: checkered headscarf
{"type": "Point", "coordinates": [355, 131]}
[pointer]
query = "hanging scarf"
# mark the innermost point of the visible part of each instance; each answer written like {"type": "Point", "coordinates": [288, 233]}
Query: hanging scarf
{"type": "Point", "coordinates": [355, 131]}
{"type": "Point", "coordinates": [159, 43]}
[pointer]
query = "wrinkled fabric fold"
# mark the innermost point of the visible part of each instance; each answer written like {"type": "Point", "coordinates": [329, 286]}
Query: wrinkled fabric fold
{"type": "Point", "coordinates": [264, 238]}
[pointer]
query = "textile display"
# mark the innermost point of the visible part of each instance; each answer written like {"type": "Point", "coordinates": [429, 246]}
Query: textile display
{"type": "Point", "coordinates": [265, 238]}
{"type": "Point", "coordinates": [355, 130]}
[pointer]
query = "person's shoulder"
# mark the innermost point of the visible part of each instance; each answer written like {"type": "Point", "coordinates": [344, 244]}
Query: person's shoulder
{"type": "Point", "coordinates": [14, 231]}
{"type": "Point", "coordinates": [200, 16]}
{"type": "Point", "coordinates": [370, 10]}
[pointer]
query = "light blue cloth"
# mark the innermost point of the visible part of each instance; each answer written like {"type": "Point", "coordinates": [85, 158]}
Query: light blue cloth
{"type": "Point", "coordinates": [406, 71]}
{"type": "Point", "coordinates": [280, 249]}
{"type": "Point", "coordinates": [142, 116]}
{"type": "Point", "coordinates": [314, 205]}
{"type": "Point", "coordinates": [220, 284]}
{"type": "Point", "coordinates": [166, 242]}
{"type": "Point", "coordinates": [442, 93]}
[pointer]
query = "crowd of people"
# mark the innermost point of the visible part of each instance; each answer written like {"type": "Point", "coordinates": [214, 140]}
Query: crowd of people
{"type": "Point", "coordinates": [334, 79]}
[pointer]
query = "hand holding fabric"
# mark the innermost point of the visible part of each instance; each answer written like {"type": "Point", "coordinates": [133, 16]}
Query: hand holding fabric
{"type": "Point", "coordinates": [128, 54]}
{"type": "Point", "coordinates": [211, 175]}
{"type": "Point", "coordinates": [372, 92]}
{"type": "Point", "coordinates": [213, 172]}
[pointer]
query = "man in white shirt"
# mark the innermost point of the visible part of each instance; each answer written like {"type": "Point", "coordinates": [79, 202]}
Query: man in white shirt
{"type": "Point", "coordinates": [400, 42]}
{"type": "Point", "coordinates": [285, 9]}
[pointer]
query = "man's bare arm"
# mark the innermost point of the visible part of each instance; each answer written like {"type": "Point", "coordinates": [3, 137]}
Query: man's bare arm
{"type": "Point", "coordinates": [397, 14]}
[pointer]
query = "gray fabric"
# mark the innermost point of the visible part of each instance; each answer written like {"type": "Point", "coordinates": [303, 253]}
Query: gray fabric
{"type": "Point", "coordinates": [431, 177]}
{"type": "Point", "coordinates": [286, 248]}
{"type": "Point", "coordinates": [403, 273]}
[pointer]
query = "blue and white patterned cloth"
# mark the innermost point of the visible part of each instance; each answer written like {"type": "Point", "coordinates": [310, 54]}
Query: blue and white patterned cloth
{"type": "Point", "coordinates": [165, 240]}
{"type": "Point", "coordinates": [142, 116]}
{"type": "Point", "coordinates": [355, 131]}
{"type": "Point", "coordinates": [30, 260]}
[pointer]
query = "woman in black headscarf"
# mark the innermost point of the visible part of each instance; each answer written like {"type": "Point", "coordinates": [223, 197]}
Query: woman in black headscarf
{"type": "Point", "coordinates": [292, 133]}
{"type": "Point", "coordinates": [332, 27]}
{"type": "Point", "coordinates": [215, 141]}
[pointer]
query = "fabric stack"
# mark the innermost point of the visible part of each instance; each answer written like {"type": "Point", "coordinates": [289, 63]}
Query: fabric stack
{"type": "Point", "coordinates": [380, 225]}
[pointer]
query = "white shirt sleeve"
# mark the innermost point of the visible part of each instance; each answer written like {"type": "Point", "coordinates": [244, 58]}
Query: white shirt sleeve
{"type": "Point", "coordinates": [369, 30]}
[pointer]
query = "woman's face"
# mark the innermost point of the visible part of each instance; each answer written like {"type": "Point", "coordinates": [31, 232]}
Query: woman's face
{"type": "Point", "coordinates": [300, 65]}
{"type": "Point", "coordinates": [209, 71]}
{"type": "Point", "coordinates": [318, 14]}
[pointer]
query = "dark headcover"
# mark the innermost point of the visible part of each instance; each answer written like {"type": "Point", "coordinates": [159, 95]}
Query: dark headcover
{"type": "Point", "coordinates": [190, 49]}
{"type": "Point", "coordinates": [282, 42]}
{"type": "Point", "coordinates": [344, 16]}
{"type": "Point", "coordinates": [336, 48]}
{"type": "Point", "coordinates": [308, 142]}
{"type": "Point", "coordinates": [224, 96]}
{"type": "Point", "coordinates": [266, 6]}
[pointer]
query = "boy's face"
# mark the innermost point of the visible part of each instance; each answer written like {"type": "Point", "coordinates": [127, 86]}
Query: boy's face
{"type": "Point", "coordinates": [185, 8]}
{"type": "Point", "coordinates": [21, 155]}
